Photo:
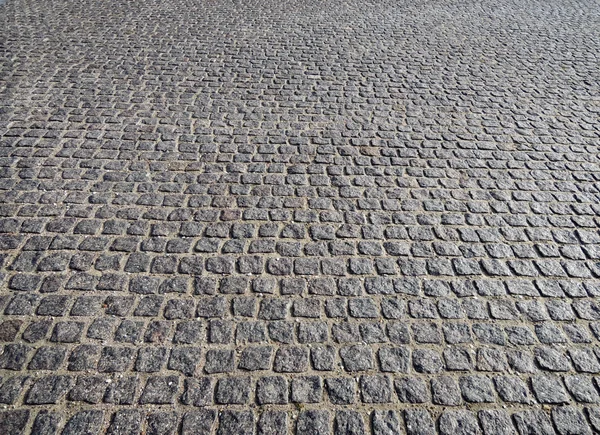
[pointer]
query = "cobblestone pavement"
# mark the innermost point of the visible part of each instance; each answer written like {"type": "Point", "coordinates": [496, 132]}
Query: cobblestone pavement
{"type": "Point", "coordinates": [313, 217]}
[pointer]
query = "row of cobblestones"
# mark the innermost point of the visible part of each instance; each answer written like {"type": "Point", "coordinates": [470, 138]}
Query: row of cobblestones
{"type": "Point", "coordinates": [442, 390]}
{"type": "Point", "coordinates": [566, 419]}
{"type": "Point", "coordinates": [320, 217]}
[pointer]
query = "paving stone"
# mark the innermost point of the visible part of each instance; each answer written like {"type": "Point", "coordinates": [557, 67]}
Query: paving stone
{"type": "Point", "coordinates": [477, 389]}
{"type": "Point", "coordinates": [385, 423]}
{"type": "Point", "coordinates": [411, 390]}
{"type": "Point", "coordinates": [160, 390]}
{"type": "Point", "coordinates": [313, 422]}
{"type": "Point", "coordinates": [495, 422]}
{"type": "Point", "coordinates": [198, 392]}
{"type": "Point", "coordinates": [584, 360]}
{"type": "Point", "coordinates": [184, 360]}
{"type": "Point", "coordinates": [11, 389]}
{"type": "Point", "coordinates": [569, 420]}
{"type": "Point", "coordinates": [458, 422]}
{"type": "Point", "coordinates": [48, 358]}
{"type": "Point", "coordinates": [348, 422]}
{"type": "Point", "coordinates": [223, 205]}
{"type": "Point", "coordinates": [14, 421]}
{"type": "Point", "coordinates": [307, 389]}
{"type": "Point", "coordinates": [162, 423]}
{"type": "Point", "coordinates": [37, 330]}
{"type": "Point", "coordinates": [219, 361]}
{"type": "Point", "coordinates": [115, 359]}
{"type": "Point", "coordinates": [341, 391]}
{"type": "Point", "coordinates": [323, 358]}
{"type": "Point", "coordinates": [46, 422]}
{"type": "Point", "coordinates": [593, 415]}
{"type": "Point", "coordinates": [356, 358]}
{"type": "Point", "coordinates": [232, 391]}
{"type": "Point", "coordinates": [427, 361]}
{"type": "Point", "coordinates": [67, 332]}
{"type": "Point", "coordinates": [549, 389]}
{"type": "Point", "coordinates": [511, 389]}
{"type": "Point", "coordinates": [198, 422]}
{"type": "Point", "coordinates": [272, 390]}
{"type": "Point", "coordinates": [125, 422]}
{"type": "Point", "coordinates": [445, 391]}
{"type": "Point", "coordinates": [88, 389]}
{"type": "Point", "coordinates": [48, 390]}
{"type": "Point", "coordinates": [418, 422]}
{"type": "Point", "coordinates": [122, 391]}
{"type": "Point", "coordinates": [533, 421]}
{"type": "Point", "coordinates": [236, 422]}
{"type": "Point", "coordinates": [188, 332]}
{"type": "Point", "coordinates": [582, 389]}
{"type": "Point", "coordinates": [291, 360]}
{"type": "Point", "coordinates": [394, 359]}
{"type": "Point", "coordinates": [272, 423]}
{"type": "Point", "coordinates": [375, 389]}
{"type": "Point", "coordinates": [84, 422]}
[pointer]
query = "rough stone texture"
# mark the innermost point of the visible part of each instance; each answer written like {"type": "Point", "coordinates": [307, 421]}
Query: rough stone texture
{"type": "Point", "coordinates": [316, 217]}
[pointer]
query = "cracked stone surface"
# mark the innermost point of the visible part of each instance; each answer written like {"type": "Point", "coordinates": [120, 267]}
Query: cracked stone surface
{"type": "Point", "coordinates": [315, 217]}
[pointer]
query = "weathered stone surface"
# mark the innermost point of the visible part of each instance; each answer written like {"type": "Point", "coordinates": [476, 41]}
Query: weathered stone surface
{"type": "Point", "coordinates": [314, 217]}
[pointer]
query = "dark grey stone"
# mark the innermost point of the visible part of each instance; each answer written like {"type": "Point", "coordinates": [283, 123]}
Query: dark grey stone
{"type": "Point", "coordinates": [385, 423]}
{"type": "Point", "coordinates": [122, 391]}
{"type": "Point", "coordinates": [46, 423]}
{"type": "Point", "coordinates": [375, 389]}
{"type": "Point", "coordinates": [341, 391]}
{"type": "Point", "coordinates": [14, 421]}
{"type": "Point", "coordinates": [427, 361]}
{"type": "Point", "coordinates": [88, 389]}
{"type": "Point", "coordinates": [549, 389]}
{"type": "Point", "coordinates": [235, 422]}
{"type": "Point", "coordinates": [458, 422]}
{"type": "Point", "coordinates": [48, 390]}
{"type": "Point", "coordinates": [272, 390]}
{"type": "Point", "coordinates": [160, 390]}
{"type": "Point", "coordinates": [322, 358]}
{"type": "Point", "coordinates": [84, 423]}
{"type": "Point", "coordinates": [496, 422]}
{"type": "Point", "coordinates": [198, 392]}
{"type": "Point", "coordinates": [394, 359]}
{"type": "Point", "coordinates": [198, 422]}
{"type": "Point", "coordinates": [219, 361]}
{"type": "Point", "coordinates": [348, 423]}
{"type": "Point", "coordinates": [272, 423]}
{"type": "Point", "coordinates": [48, 358]}
{"type": "Point", "coordinates": [313, 422]}
{"type": "Point", "coordinates": [533, 421]}
{"type": "Point", "coordinates": [307, 389]}
{"type": "Point", "coordinates": [356, 358]}
{"type": "Point", "coordinates": [445, 391]}
{"type": "Point", "coordinates": [477, 389]}
{"type": "Point", "coordinates": [291, 359]}
{"type": "Point", "coordinates": [418, 422]}
{"type": "Point", "coordinates": [570, 420]}
{"type": "Point", "coordinates": [184, 360]}
{"type": "Point", "coordinates": [163, 423]}
{"type": "Point", "coordinates": [124, 422]}
{"type": "Point", "coordinates": [256, 358]}
{"type": "Point", "coordinates": [231, 391]}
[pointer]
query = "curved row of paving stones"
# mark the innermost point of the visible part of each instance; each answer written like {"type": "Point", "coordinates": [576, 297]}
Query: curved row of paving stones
{"type": "Point", "coordinates": [381, 422]}
{"type": "Point", "coordinates": [300, 217]}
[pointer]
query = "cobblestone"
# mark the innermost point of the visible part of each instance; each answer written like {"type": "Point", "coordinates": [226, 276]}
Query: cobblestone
{"type": "Point", "coordinates": [299, 217]}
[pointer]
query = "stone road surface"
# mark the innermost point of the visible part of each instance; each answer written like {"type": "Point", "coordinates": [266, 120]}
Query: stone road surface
{"type": "Point", "coordinates": [313, 217]}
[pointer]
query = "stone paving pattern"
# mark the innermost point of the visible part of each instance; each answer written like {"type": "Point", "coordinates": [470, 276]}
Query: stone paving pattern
{"type": "Point", "coordinates": [313, 217]}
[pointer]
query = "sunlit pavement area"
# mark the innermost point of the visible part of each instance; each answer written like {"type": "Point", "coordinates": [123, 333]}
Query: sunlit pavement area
{"type": "Point", "coordinates": [300, 217]}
